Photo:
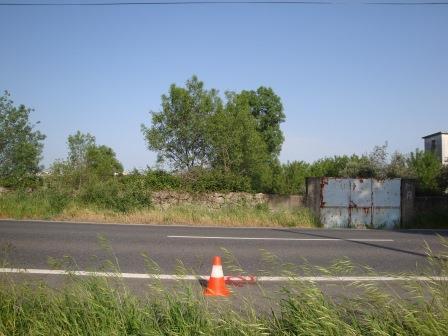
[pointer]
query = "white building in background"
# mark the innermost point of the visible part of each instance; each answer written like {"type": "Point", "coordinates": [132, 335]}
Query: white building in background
{"type": "Point", "coordinates": [438, 144]}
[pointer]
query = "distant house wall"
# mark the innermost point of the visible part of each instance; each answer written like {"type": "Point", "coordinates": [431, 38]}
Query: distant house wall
{"type": "Point", "coordinates": [437, 143]}
{"type": "Point", "coordinates": [445, 148]}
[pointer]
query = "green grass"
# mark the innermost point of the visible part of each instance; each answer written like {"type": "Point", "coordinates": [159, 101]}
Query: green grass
{"type": "Point", "coordinates": [99, 306]}
{"type": "Point", "coordinates": [51, 205]}
{"type": "Point", "coordinates": [35, 205]}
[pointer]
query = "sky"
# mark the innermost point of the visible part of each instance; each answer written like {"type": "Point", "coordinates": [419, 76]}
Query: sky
{"type": "Point", "coordinates": [350, 76]}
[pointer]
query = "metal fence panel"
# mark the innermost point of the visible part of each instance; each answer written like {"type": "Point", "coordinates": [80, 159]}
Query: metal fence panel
{"type": "Point", "coordinates": [361, 193]}
{"type": "Point", "coordinates": [334, 217]}
{"type": "Point", "coordinates": [386, 218]}
{"type": "Point", "coordinates": [386, 193]}
{"type": "Point", "coordinates": [360, 203]}
{"type": "Point", "coordinates": [335, 192]}
{"type": "Point", "coordinates": [360, 217]}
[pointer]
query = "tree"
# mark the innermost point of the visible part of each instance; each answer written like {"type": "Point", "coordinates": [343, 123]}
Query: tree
{"type": "Point", "coordinates": [426, 167]}
{"type": "Point", "coordinates": [237, 145]}
{"type": "Point", "coordinates": [20, 145]}
{"type": "Point", "coordinates": [102, 162]}
{"type": "Point", "coordinates": [178, 131]}
{"type": "Point", "coordinates": [378, 158]}
{"type": "Point", "coordinates": [86, 161]}
{"type": "Point", "coordinates": [359, 166]}
{"type": "Point", "coordinates": [267, 109]}
{"type": "Point", "coordinates": [398, 166]}
{"type": "Point", "coordinates": [332, 166]}
{"type": "Point", "coordinates": [78, 146]}
{"type": "Point", "coordinates": [289, 178]}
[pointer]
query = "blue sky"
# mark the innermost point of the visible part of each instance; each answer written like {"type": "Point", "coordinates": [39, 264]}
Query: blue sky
{"type": "Point", "coordinates": [350, 76]}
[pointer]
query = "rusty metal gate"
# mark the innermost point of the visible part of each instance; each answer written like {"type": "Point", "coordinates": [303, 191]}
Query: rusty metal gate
{"type": "Point", "coordinates": [355, 203]}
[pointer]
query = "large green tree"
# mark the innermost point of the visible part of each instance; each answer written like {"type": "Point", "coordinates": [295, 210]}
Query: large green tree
{"type": "Point", "coordinates": [178, 131]}
{"type": "Point", "coordinates": [20, 144]}
{"type": "Point", "coordinates": [237, 145]}
{"type": "Point", "coordinates": [242, 136]}
{"type": "Point", "coordinates": [267, 108]}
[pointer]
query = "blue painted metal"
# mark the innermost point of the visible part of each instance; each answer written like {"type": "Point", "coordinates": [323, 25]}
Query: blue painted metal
{"type": "Point", "coordinates": [360, 203]}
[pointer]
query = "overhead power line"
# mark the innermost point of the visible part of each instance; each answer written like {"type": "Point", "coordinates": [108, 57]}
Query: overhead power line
{"type": "Point", "coordinates": [190, 3]}
{"type": "Point", "coordinates": [399, 3]}
{"type": "Point", "coordinates": [174, 3]}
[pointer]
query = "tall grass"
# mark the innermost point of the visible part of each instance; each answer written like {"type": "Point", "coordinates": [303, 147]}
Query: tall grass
{"type": "Point", "coordinates": [46, 204]}
{"type": "Point", "coordinates": [198, 215]}
{"type": "Point", "coordinates": [100, 306]}
{"type": "Point", "coordinates": [35, 205]}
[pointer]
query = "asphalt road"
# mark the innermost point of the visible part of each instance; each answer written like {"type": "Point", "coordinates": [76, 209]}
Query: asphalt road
{"type": "Point", "coordinates": [27, 244]}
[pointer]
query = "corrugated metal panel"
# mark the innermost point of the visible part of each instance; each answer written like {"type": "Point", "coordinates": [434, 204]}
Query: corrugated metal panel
{"type": "Point", "coordinates": [335, 192]}
{"type": "Point", "coordinates": [361, 193]}
{"type": "Point", "coordinates": [360, 203]}
{"type": "Point", "coordinates": [360, 217]}
{"type": "Point", "coordinates": [386, 218]}
{"type": "Point", "coordinates": [386, 193]}
{"type": "Point", "coordinates": [335, 202]}
{"type": "Point", "coordinates": [334, 217]}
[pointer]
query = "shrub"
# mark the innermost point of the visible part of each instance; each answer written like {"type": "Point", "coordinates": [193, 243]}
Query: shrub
{"type": "Point", "coordinates": [116, 195]}
{"type": "Point", "coordinates": [427, 168]}
{"type": "Point", "coordinates": [158, 180]}
{"type": "Point", "coordinates": [202, 180]}
{"type": "Point", "coordinates": [57, 199]}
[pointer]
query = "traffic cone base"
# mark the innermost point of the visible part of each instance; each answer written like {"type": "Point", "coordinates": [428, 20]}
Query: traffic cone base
{"type": "Point", "coordinates": [216, 287]}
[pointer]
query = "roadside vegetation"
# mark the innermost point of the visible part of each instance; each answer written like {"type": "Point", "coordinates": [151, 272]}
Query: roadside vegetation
{"type": "Point", "coordinates": [205, 143]}
{"type": "Point", "coordinates": [50, 206]}
{"type": "Point", "coordinates": [106, 306]}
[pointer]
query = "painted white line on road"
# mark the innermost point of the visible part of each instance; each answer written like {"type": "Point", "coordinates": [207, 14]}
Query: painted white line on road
{"type": "Point", "coordinates": [292, 239]}
{"type": "Point", "coordinates": [205, 277]}
{"type": "Point", "coordinates": [103, 274]}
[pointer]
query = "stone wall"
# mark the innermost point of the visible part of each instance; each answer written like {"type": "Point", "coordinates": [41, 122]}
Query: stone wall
{"type": "Point", "coordinates": [165, 199]}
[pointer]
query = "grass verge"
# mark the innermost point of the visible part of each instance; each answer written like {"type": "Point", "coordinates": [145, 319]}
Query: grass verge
{"type": "Point", "coordinates": [99, 306]}
{"type": "Point", "coordinates": [196, 215]}
{"type": "Point", "coordinates": [40, 205]}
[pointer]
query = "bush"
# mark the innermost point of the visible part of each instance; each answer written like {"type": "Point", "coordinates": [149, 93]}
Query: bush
{"type": "Point", "coordinates": [158, 180]}
{"type": "Point", "coordinates": [290, 178]}
{"type": "Point", "coordinates": [202, 180]}
{"type": "Point", "coordinates": [427, 168]}
{"type": "Point", "coordinates": [57, 199]}
{"type": "Point", "coordinates": [117, 195]}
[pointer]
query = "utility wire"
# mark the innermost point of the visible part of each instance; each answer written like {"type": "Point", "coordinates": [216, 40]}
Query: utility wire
{"type": "Point", "coordinates": [189, 3]}
{"type": "Point", "coordinates": [399, 3]}
{"type": "Point", "coordinates": [173, 3]}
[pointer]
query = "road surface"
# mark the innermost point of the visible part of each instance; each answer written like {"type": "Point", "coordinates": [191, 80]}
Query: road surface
{"type": "Point", "coordinates": [30, 244]}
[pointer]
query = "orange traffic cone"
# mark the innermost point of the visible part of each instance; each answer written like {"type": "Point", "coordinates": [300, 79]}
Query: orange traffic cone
{"type": "Point", "coordinates": [216, 285]}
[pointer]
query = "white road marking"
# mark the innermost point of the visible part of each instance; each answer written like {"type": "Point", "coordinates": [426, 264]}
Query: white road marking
{"type": "Point", "coordinates": [292, 239]}
{"type": "Point", "coordinates": [206, 277]}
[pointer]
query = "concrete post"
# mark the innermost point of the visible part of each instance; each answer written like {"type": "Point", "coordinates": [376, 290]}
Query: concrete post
{"type": "Point", "coordinates": [407, 201]}
{"type": "Point", "coordinates": [313, 195]}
